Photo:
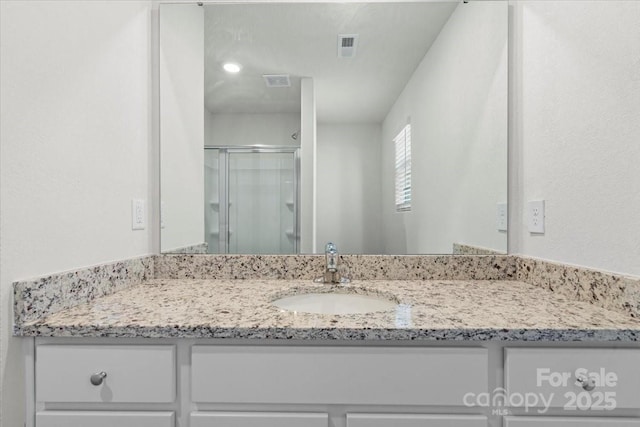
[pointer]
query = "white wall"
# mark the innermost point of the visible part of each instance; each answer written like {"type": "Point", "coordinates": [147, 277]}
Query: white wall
{"type": "Point", "coordinates": [457, 104]}
{"type": "Point", "coordinates": [251, 129]}
{"type": "Point", "coordinates": [577, 132]}
{"type": "Point", "coordinates": [308, 159]}
{"type": "Point", "coordinates": [182, 124]}
{"type": "Point", "coordinates": [75, 148]}
{"type": "Point", "coordinates": [349, 187]}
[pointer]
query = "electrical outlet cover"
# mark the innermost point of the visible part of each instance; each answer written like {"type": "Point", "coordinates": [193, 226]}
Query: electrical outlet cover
{"type": "Point", "coordinates": [138, 215]}
{"type": "Point", "coordinates": [501, 217]}
{"type": "Point", "coordinates": [536, 216]}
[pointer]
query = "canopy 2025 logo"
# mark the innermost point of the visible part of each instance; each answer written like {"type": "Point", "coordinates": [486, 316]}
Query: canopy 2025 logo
{"type": "Point", "coordinates": [591, 397]}
{"type": "Point", "coordinates": [585, 393]}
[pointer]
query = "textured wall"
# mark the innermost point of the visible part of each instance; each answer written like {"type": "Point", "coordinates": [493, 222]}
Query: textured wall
{"type": "Point", "coordinates": [577, 123]}
{"type": "Point", "coordinates": [349, 188]}
{"type": "Point", "coordinates": [252, 129]}
{"type": "Point", "coordinates": [457, 104]}
{"type": "Point", "coordinates": [76, 147]}
{"type": "Point", "coordinates": [182, 124]}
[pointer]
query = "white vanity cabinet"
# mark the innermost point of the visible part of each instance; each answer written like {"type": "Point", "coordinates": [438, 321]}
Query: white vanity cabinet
{"type": "Point", "coordinates": [113, 373]}
{"type": "Point", "coordinates": [271, 383]}
{"type": "Point", "coordinates": [258, 419]}
{"type": "Point", "coordinates": [415, 420]}
{"type": "Point", "coordinates": [570, 422]}
{"type": "Point", "coordinates": [104, 419]}
{"type": "Point", "coordinates": [337, 375]}
{"type": "Point", "coordinates": [281, 419]}
{"type": "Point", "coordinates": [587, 383]}
{"type": "Point", "coordinates": [580, 380]}
{"type": "Point", "coordinates": [78, 385]}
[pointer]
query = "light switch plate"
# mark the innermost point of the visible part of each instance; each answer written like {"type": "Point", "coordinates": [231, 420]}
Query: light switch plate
{"type": "Point", "coordinates": [536, 216]}
{"type": "Point", "coordinates": [162, 214]}
{"type": "Point", "coordinates": [138, 215]}
{"type": "Point", "coordinates": [501, 217]}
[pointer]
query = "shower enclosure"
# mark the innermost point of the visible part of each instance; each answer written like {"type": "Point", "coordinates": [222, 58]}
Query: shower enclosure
{"type": "Point", "coordinates": [251, 200]}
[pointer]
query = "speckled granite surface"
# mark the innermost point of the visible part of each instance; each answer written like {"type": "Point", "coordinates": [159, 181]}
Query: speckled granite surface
{"type": "Point", "coordinates": [35, 298]}
{"type": "Point", "coordinates": [450, 297]}
{"type": "Point", "coordinates": [427, 310]}
{"type": "Point", "coordinates": [44, 296]}
{"type": "Point", "coordinates": [361, 267]}
{"type": "Point", "coordinates": [200, 248]}
{"type": "Point", "coordinates": [462, 249]}
{"type": "Point", "coordinates": [607, 290]}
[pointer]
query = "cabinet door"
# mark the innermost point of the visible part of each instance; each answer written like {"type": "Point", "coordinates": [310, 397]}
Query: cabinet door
{"type": "Point", "coordinates": [570, 422]}
{"type": "Point", "coordinates": [258, 419]}
{"type": "Point", "coordinates": [104, 419]}
{"type": "Point", "coordinates": [337, 375]}
{"type": "Point", "coordinates": [414, 420]}
{"type": "Point", "coordinates": [133, 373]}
{"type": "Point", "coordinates": [557, 374]}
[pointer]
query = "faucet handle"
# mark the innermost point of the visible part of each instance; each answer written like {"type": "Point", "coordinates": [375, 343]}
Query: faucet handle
{"type": "Point", "coordinates": [331, 248]}
{"type": "Point", "coordinates": [344, 273]}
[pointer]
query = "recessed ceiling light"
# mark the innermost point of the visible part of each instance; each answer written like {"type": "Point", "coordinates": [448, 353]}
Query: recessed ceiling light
{"type": "Point", "coordinates": [230, 67]}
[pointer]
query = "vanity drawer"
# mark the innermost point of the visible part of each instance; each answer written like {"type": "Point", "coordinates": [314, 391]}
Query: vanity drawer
{"type": "Point", "coordinates": [570, 422]}
{"type": "Point", "coordinates": [104, 419]}
{"type": "Point", "coordinates": [554, 373]}
{"type": "Point", "coordinates": [337, 375]}
{"type": "Point", "coordinates": [133, 373]}
{"type": "Point", "coordinates": [415, 420]}
{"type": "Point", "coordinates": [258, 419]}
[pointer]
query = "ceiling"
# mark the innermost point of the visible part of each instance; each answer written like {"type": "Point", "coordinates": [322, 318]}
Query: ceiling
{"type": "Point", "coordinates": [301, 40]}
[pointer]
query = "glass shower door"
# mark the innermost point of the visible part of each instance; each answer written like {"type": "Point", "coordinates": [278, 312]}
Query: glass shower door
{"type": "Point", "coordinates": [212, 202]}
{"type": "Point", "coordinates": [261, 202]}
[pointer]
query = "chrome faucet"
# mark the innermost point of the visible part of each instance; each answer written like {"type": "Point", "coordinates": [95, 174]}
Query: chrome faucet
{"type": "Point", "coordinates": [331, 274]}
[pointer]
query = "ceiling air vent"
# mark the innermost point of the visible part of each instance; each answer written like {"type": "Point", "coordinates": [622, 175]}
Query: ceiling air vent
{"type": "Point", "coordinates": [277, 80]}
{"type": "Point", "coordinates": [347, 44]}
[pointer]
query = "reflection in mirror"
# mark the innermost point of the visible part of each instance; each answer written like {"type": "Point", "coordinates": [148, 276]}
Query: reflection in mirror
{"type": "Point", "coordinates": [308, 140]}
{"type": "Point", "coordinates": [250, 194]}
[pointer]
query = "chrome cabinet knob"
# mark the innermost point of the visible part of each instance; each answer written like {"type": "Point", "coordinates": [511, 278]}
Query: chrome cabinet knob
{"type": "Point", "coordinates": [96, 379]}
{"type": "Point", "coordinates": [587, 384]}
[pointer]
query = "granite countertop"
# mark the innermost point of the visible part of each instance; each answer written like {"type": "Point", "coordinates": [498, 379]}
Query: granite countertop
{"type": "Point", "coordinates": [427, 310]}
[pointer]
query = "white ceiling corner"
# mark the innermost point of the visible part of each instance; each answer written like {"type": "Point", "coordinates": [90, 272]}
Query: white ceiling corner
{"type": "Point", "coordinates": [301, 40]}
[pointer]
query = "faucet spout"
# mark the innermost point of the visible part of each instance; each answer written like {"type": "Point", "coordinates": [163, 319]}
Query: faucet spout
{"type": "Point", "coordinates": [331, 274]}
{"type": "Point", "coordinates": [331, 256]}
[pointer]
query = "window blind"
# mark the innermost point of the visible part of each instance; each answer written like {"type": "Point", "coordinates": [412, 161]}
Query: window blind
{"type": "Point", "coordinates": [403, 169]}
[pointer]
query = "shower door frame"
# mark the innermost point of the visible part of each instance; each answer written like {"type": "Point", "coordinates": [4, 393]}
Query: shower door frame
{"type": "Point", "coordinates": [223, 184]}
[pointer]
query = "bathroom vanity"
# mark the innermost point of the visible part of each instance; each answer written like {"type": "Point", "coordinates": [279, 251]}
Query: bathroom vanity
{"type": "Point", "coordinates": [215, 352]}
{"type": "Point", "coordinates": [212, 383]}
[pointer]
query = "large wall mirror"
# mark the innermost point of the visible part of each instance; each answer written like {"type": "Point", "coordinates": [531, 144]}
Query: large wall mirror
{"type": "Point", "coordinates": [381, 127]}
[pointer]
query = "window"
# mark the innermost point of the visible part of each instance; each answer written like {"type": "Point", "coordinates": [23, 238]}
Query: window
{"type": "Point", "coordinates": [403, 169]}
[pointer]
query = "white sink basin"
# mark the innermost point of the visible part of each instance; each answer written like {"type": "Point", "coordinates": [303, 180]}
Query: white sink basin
{"type": "Point", "coordinates": [334, 303]}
